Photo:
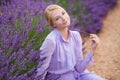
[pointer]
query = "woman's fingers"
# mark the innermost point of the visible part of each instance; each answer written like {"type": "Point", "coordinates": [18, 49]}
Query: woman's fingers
{"type": "Point", "coordinates": [94, 38]}
{"type": "Point", "coordinates": [94, 41]}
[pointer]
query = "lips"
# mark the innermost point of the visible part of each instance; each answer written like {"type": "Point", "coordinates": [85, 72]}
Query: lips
{"type": "Point", "coordinates": [65, 22]}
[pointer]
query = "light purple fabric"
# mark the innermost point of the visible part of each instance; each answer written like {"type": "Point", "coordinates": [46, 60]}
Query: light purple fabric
{"type": "Point", "coordinates": [60, 57]}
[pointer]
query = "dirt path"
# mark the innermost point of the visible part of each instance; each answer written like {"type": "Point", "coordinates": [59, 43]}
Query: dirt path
{"type": "Point", "coordinates": [107, 56]}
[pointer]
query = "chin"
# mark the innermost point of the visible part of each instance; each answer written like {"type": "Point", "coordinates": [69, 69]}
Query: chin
{"type": "Point", "coordinates": [66, 27]}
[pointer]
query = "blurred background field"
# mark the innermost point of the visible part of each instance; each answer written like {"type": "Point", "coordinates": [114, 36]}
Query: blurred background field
{"type": "Point", "coordinates": [23, 29]}
{"type": "Point", "coordinates": [107, 58]}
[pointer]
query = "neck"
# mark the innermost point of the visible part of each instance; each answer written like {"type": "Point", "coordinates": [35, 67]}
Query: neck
{"type": "Point", "coordinates": [64, 33]}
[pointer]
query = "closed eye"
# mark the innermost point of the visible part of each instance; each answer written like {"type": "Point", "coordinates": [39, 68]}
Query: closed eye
{"type": "Point", "coordinates": [57, 18]}
{"type": "Point", "coordinates": [63, 13]}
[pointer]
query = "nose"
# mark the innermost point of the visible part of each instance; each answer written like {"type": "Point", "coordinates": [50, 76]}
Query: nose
{"type": "Point", "coordinates": [63, 18]}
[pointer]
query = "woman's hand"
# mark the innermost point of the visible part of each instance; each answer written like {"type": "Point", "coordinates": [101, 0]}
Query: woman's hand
{"type": "Point", "coordinates": [94, 41]}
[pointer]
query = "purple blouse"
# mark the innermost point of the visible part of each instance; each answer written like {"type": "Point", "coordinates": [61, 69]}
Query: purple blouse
{"type": "Point", "coordinates": [59, 56]}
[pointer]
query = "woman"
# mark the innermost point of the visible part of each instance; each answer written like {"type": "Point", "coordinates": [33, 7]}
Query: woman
{"type": "Point", "coordinates": [61, 52]}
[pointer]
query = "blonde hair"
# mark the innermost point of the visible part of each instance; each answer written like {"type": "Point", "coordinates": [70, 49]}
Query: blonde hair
{"type": "Point", "coordinates": [47, 13]}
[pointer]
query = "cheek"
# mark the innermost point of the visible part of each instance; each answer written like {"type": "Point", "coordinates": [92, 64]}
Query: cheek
{"type": "Point", "coordinates": [68, 18]}
{"type": "Point", "coordinates": [58, 22]}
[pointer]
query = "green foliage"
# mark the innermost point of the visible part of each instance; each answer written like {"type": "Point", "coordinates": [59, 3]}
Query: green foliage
{"type": "Point", "coordinates": [29, 66]}
{"type": "Point", "coordinates": [34, 21]}
{"type": "Point", "coordinates": [39, 38]}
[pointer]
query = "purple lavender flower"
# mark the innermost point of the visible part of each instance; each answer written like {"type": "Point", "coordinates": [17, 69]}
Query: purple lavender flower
{"type": "Point", "coordinates": [17, 56]}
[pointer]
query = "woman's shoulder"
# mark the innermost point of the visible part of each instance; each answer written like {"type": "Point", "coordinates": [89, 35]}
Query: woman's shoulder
{"type": "Point", "coordinates": [51, 36]}
{"type": "Point", "coordinates": [75, 33]}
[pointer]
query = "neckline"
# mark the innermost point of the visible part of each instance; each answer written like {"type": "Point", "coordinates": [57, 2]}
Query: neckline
{"type": "Point", "coordinates": [60, 36]}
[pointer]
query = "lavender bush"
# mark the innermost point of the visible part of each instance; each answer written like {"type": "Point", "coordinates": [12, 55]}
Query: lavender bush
{"type": "Point", "coordinates": [87, 15]}
{"type": "Point", "coordinates": [95, 11]}
{"type": "Point", "coordinates": [23, 29]}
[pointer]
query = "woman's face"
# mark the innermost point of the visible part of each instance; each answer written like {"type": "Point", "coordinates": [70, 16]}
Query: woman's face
{"type": "Point", "coordinates": [60, 18]}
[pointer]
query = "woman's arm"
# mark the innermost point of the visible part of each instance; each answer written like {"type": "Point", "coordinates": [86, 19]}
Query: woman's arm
{"type": "Point", "coordinates": [83, 63]}
{"type": "Point", "coordinates": [46, 52]}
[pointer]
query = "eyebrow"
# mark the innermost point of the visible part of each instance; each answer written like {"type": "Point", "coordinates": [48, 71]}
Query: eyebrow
{"type": "Point", "coordinates": [55, 17]}
{"type": "Point", "coordinates": [59, 15]}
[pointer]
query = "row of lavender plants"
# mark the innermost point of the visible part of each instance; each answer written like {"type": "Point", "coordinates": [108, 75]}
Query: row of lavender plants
{"type": "Point", "coordinates": [87, 15]}
{"type": "Point", "coordinates": [23, 29]}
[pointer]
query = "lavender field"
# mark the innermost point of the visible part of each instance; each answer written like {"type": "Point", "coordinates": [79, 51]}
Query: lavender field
{"type": "Point", "coordinates": [23, 29]}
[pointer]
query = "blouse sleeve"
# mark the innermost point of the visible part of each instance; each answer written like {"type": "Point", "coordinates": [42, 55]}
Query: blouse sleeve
{"type": "Point", "coordinates": [82, 62]}
{"type": "Point", "coordinates": [46, 52]}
